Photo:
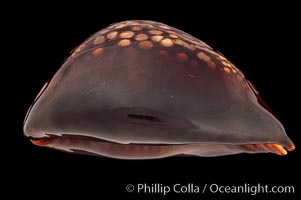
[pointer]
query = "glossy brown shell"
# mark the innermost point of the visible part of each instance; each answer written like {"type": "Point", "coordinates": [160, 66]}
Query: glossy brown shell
{"type": "Point", "coordinates": [143, 89]}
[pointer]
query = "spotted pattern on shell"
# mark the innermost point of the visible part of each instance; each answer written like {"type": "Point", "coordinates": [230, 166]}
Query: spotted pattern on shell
{"type": "Point", "coordinates": [142, 90]}
{"type": "Point", "coordinates": [166, 37]}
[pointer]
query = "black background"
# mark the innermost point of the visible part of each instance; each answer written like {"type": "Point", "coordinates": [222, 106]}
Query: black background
{"type": "Point", "coordinates": [260, 40]}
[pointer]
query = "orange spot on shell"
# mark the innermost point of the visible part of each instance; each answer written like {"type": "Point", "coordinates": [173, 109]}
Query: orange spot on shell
{"type": "Point", "coordinates": [112, 35]}
{"type": "Point", "coordinates": [145, 45]}
{"type": "Point", "coordinates": [124, 43]}
{"type": "Point", "coordinates": [99, 40]}
{"type": "Point", "coordinates": [166, 42]}
{"type": "Point", "coordinates": [155, 32]}
{"type": "Point", "coordinates": [178, 42]}
{"type": "Point", "coordinates": [184, 44]}
{"type": "Point", "coordinates": [162, 53]}
{"type": "Point", "coordinates": [141, 37]}
{"type": "Point", "coordinates": [126, 34]}
{"type": "Point", "coordinates": [164, 27]}
{"type": "Point", "coordinates": [156, 38]}
{"type": "Point", "coordinates": [97, 52]}
{"type": "Point", "coordinates": [227, 70]}
{"type": "Point", "coordinates": [173, 35]}
{"type": "Point", "coordinates": [182, 57]}
{"type": "Point", "coordinates": [206, 58]}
